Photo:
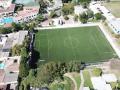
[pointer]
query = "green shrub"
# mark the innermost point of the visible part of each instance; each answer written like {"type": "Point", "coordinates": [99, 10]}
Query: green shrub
{"type": "Point", "coordinates": [97, 71]}
{"type": "Point", "coordinates": [66, 17]}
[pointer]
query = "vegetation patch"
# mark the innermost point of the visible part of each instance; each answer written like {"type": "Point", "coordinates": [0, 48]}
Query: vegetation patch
{"type": "Point", "coordinates": [87, 79]}
{"type": "Point", "coordinates": [97, 72]}
{"type": "Point", "coordinates": [67, 84]}
{"type": "Point", "coordinates": [77, 78]}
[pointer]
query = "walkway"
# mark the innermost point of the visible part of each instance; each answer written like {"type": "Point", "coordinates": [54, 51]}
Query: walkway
{"type": "Point", "coordinates": [82, 81]}
{"type": "Point", "coordinates": [68, 75]}
{"type": "Point", "coordinates": [67, 26]}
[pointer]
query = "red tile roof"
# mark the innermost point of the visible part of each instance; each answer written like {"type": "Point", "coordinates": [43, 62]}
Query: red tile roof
{"type": "Point", "coordinates": [10, 8]}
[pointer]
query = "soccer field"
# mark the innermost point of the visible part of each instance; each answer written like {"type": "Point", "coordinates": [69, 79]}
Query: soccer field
{"type": "Point", "coordinates": [86, 44]}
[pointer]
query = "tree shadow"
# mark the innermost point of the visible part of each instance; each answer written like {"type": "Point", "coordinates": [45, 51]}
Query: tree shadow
{"type": "Point", "coordinates": [34, 59]}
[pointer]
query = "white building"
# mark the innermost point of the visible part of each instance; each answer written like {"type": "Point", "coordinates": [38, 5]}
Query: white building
{"type": "Point", "coordinates": [86, 88]}
{"type": "Point", "coordinates": [115, 25]}
{"type": "Point", "coordinates": [111, 20]}
{"type": "Point", "coordinates": [100, 84]}
{"type": "Point", "coordinates": [109, 78]}
{"type": "Point", "coordinates": [27, 14]}
{"type": "Point", "coordinates": [103, 82]}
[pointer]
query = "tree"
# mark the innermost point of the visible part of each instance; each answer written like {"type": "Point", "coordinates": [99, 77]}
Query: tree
{"type": "Point", "coordinates": [53, 14]}
{"type": "Point", "coordinates": [16, 27]}
{"type": "Point", "coordinates": [83, 17]}
{"type": "Point", "coordinates": [90, 14]}
{"type": "Point", "coordinates": [97, 71]}
{"type": "Point", "coordinates": [43, 6]}
{"type": "Point", "coordinates": [68, 9]}
{"type": "Point", "coordinates": [16, 50]}
{"type": "Point", "coordinates": [66, 17]}
{"type": "Point", "coordinates": [5, 31]}
{"type": "Point", "coordinates": [84, 1]}
{"type": "Point", "coordinates": [23, 68]}
{"type": "Point", "coordinates": [24, 52]}
{"type": "Point", "coordinates": [75, 17]}
{"type": "Point", "coordinates": [24, 26]}
{"type": "Point", "coordinates": [40, 18]}
{"type": "Point", "coordinates": [84, 5]}
{"type": "Point", "coordinates": [98, 16]}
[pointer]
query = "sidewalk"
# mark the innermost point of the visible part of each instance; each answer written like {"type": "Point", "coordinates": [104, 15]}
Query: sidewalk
{"type": "Point", "coordinates": [82, 81]}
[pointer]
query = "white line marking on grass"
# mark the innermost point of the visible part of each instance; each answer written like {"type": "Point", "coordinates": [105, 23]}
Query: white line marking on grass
{"type": "Point", "coordinates": [48, 45]}
{"type": "Point", "coordinates": [69, 37]}
{"type": "Point", "coordinates": [92, 38]}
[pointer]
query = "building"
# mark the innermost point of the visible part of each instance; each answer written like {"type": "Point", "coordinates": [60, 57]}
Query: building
{"type": "Point", "coordinates": [109, 78]}
{"type": "Point", "coordinates": [8, 42]}
{"type": "Point", "coordinates": [27, 14]}
{"type": "Point", "coordinates": [103, 82]}
{"type": "Point", "coordinates": [5, 3]}
{"type": "Point", "coordinates": [9, 72]}
{"type": "Point", "coordinates": [8, 11]}
{"type": "Point", "coordinates": [112, 21]}
{"type": "Point", "coordinates": [86, 88]}
{"type": "Point", "coordinates": [100, 84]}
{"type": "Point", "coordinates": [115, 25]}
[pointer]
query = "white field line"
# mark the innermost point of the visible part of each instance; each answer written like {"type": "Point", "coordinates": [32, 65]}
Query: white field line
{"type": "Point", "coordinates": [111, 40]}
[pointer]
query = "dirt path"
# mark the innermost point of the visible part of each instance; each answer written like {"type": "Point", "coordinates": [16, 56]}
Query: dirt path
{"type": "Point", "coordinates": [68, 75]}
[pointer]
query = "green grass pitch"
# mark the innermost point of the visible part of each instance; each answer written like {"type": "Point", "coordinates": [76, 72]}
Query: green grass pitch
{"type": "Point", "coordinates": [86, 44]}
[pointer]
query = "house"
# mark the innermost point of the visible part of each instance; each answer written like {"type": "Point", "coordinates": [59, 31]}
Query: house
{"type": "Point", "coordinates": [5, 3]}
{"type": "Point", "coordinates": [27, 14]}
{"type": "Point", "coordinates": [9, 72]}
{"type": "Point", "coordinates": [9, 11]}
{"type": "Point", "coordinates": [8, 42]}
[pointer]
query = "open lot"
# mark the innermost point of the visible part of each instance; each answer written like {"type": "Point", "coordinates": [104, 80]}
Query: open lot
{"type": "Point", "coordinates": [114, 8]}
{"type": "Point", "coordinates": [86, 44]}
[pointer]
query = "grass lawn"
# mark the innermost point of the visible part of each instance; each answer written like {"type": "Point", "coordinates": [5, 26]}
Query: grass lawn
{"type": "Point", "coordinates": [67, 84]}
{"type": "Point", "coordinates": [87, 79]}
{"type": "Point", "coordinates": [86, 44]}
{"type": "Point", "coordinates": [114, 8]}
{"type": "Point", "coordinates": [77, 78]}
